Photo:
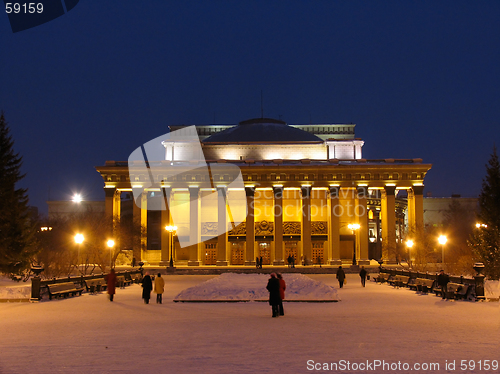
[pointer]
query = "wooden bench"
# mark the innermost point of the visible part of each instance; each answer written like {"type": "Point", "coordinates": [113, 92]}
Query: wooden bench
{"type": "Point", "coordinates": [399, 281]}
{"type": "Point", "coordinates": [96, 285]}
{"type": "Point", "coordinates": [422, 285]}
{"type": "Point", "coordinates": [121, 281]}
{"type": "Point", "coordinates": [456, 291]}
{"type": "Point", "coordinates": [382, 277]}
{"type": "Point", "coordinates": [64, 289]}
{"type": "Point", "coordinates": [135, 278]}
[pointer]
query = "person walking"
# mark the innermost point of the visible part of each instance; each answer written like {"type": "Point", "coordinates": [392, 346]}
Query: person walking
{"type": "Point", "coordinates": [111, 283]}
{"type": "Point", "coordinates": [147, 286]}
{"type": "Point", "coordinates": [282, 294]}
{"type": "Point", "coordinates": [362, 274]}
{"type": "Point", "coordinates": [340, 276]}
{"type": "Point", "coordinates": [443, 280]}
{"type": "Point", "coordinates": [273, 286]}
{"type": "Point", "coordinates": [159, 288]}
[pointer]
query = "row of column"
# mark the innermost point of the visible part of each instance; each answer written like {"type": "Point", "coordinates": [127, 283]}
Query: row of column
{"type": "Point", "coordinates": [388, 194]}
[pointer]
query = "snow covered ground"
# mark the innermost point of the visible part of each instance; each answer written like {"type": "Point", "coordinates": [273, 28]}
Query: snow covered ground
{"type": "Point", "coordinates": [89, 334]}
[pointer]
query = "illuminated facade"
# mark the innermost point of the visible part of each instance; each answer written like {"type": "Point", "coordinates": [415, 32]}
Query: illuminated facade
{"type": "Point", "coordinates": [304, 185]}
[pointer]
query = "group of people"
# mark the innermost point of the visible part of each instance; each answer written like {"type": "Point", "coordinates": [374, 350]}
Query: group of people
{"type": "Point", "coordinates": [276, 286]}
{"type": "Point", "coordinates": [341, 276]}
{"type": "Point", "coordinates": [258, 262]}
{"type": "Point", "coordinates": [147, 286]}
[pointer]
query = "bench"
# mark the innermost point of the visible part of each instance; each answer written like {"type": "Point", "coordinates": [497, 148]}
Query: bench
{"type": "Point", "coordinates": [63, 289]}
{"type": "Point", "coordinates": [456, 291]}
{"type": "Point", "coordinates": [135, 278]}
{"type": "Point", "coordinates": [399, 281]}
{"type": "Point", "coordinates": [96, 285]}
{"type": "Point", "coordinates": [422, 285]}
{"type": "Point", "coordinates": [382, 277]}
{"type": "Point", "coordinates": [122, 282]}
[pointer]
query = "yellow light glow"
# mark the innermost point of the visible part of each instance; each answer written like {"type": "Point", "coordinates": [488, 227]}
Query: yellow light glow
{"type": "Point", "coordinates": [353, 226]}
{"type": "Point", "coordinates": [409, 243]}
{"type": "Point", "coordinates": [442, 239]}
{"type": "Point", "coordinates": [171, 228]}
{"type": "Point", "coordinates": [110, 243]}
{"type": "Point", "coordinates": [79, 238]}
{"type": "Point", "coordinates": [137, 186]}
{"type": "Point", "coordinates": [77, 198]}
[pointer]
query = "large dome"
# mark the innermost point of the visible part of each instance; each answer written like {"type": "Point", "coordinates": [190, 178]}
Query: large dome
{"type": "Point", "coordinates": [262, 130]}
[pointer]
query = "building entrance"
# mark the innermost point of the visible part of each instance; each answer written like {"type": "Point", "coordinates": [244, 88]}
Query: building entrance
{"type": "Point", "coordinates": [290, 249]}
{"type": "Point", "coordinates": [265, 252]}
{"type": "Point", "coordinates": [237, 253]}
{"type": "Point", "coordinates": [210, 253]}
{"type": "Point", "coordinates": [318, 253]}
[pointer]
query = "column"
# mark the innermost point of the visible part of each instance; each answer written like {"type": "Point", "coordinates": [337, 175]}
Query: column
{"type": "Point", "coordinates": [194, 227]}
{"type": "Point", "coordinates": [335, 226]}
{"type": "Point", "coordinates": [418, 207]}
{"type": "Point", "coordinates": [221, 227]}
{"type": "Point", "coordinates": [109, 202]}
{"type": "Point", "coordinates": [389, 224]}
{"type": "Point", "coordinates": [136, 224]}
{"type": "Point", "coordinates": [278, 225]}
{"type": "Point", "coordinates": [165, 235]}
{"type": "Point", "coordinates": [306, 223]}
{"type": "Point", "coordinates": [250, 228]}
{"type": "Point", "coordinates": [361, 212]}
{"type": "Point", "coordinates": [144, 223]}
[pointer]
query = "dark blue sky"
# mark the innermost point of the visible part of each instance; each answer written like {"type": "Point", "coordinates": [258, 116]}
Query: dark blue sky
{"type": "Point", "coordinates": [420, 79]}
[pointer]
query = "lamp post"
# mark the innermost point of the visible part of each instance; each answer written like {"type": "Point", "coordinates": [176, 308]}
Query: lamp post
{"type": "Point", "coordinates": [442, 240]}
{"type": "Point", "coordinates": [409, 244]}
{"type": "Point", "coordinates": [353, 227]}
{"type": "Point", "coordinates": [111, 244]}
{"type": "Point", "coordinates": [79, 238]}
{"type": "Point", "coordinates": [171, 230]}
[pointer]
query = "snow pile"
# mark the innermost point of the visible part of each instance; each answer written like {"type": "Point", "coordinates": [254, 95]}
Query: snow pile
{"type": "Point", "coordinates": [15, 292]}
{"type": "Point", "coordinates": [250, 287]}
{"type": "Point", "coordinates": [492, 289]}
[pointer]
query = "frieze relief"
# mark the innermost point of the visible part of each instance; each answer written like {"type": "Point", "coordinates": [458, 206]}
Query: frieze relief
{"type": "Point", "coordinates": [319, 228]}
{"type": "Point", "coordinates": [264, 228]}
{"type": "Point", "coordinates": [241, 229]}
{"type": "Point", "coordinates": [291, 228]}
{"type": "Point", "coordinates": [209, 228]}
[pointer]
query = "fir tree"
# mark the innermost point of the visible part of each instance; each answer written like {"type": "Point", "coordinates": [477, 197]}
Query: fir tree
{"type": "Point", "coordinates": [486, 239]}
{"type": "Point", "coordinates": [16, 247]}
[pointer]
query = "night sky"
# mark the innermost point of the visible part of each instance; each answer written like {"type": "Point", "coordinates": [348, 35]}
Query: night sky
{"type": "Point", "coordinates": [420, 79]}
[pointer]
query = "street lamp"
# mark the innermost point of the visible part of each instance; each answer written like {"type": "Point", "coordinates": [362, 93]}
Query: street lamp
{"type": "Point", "coordinates": [353, 227]}
{"type": "Point", "coordinates": [171, 230]}
{"type": "Point", "coordinates": [79, 238]}
{"type": "Point", "coordinates": [442, 240]}
{"type": "Point", "coordinates": [111, 244]}
{"type": "Point", "coordinates": [77, 198]}
{"type": "Point", "coordinates": [409, 244]}
{"type": "Point", "coordinates": [481, 225]}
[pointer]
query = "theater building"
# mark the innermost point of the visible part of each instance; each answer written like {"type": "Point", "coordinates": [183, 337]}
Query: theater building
{"type": "Point", "coordinates": [304, 187]}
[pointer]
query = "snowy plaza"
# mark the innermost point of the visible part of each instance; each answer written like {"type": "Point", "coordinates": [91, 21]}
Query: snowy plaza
{"type": "Point", "coordinates": [368, 326]}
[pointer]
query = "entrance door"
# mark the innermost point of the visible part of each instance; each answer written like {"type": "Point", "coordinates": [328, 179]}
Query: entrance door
{"type": "Point", "coordinates": [237, 253]}
{"type": "Point", "coordinates": [318, 252]}
{"type": "Point", "coordinates": [210, 253]}
{"type": "Point", "coordinates": [290, 249]}
{"type": "Point", "coordinates": [265, 252]}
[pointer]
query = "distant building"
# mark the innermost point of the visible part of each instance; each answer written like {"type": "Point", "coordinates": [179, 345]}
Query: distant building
{"type": "Point", "coordinates": [304, 186]}
{"type": "Point", "coordinates": [64, 209]}
{"type": "Point", "coordinates": [435, 208]}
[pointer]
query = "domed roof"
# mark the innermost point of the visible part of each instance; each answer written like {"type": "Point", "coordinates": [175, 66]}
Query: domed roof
{"type": "Point", "coordinates": [262, 130]}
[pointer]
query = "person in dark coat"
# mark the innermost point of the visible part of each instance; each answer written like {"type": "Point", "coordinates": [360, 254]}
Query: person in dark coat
{"type": "Point", "coordinates": [443, 280]}
{"type": "Point", "coordinates": [147, 286]}
{"type": "Point", "coordinates": [111, 283]}
{"type": "Point", "coordinates": [282, 294]}
{"type": "Point", "coordinates": [362, 274]}
{"type": "Point", "coordinates": [273, 286]}
{"type": "Point", "coordinates": [340, 276]}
